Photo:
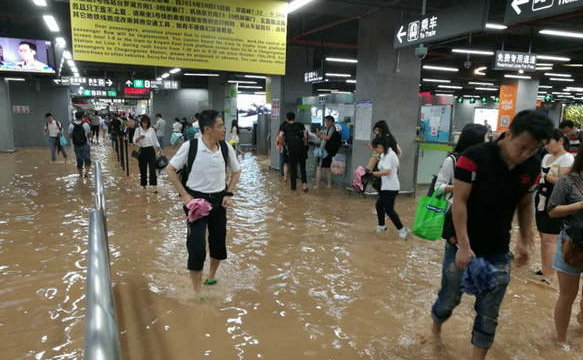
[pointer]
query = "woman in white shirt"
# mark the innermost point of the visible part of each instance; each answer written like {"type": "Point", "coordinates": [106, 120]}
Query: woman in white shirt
{"type": "Point", "coordinates": [472, 134]}
{"type": "Point", "coordinates": [388, 166]}
{"type": "Point", "coordinates": [234, 138]}
{"type": "Point", "coordinates": [145, 137]}
{"type": "Point", "coordinates": [555, 164]}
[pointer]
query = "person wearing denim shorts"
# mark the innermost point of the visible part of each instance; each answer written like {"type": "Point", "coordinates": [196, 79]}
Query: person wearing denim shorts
{"type": "Point", "coordinates": [492, 181]}
{"type": "Point", "coordinates": [566, 202]}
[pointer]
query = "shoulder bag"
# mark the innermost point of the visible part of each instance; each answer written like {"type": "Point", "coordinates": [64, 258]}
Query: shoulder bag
{"type": "Point", "coordinates": [573, 246]}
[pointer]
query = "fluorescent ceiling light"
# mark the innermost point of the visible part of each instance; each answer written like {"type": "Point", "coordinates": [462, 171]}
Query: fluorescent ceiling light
{"type": "Point", "coordinates": [560, 93]}
{"type": "Point", "coordinates": [51, 23]}
{"type": "Point", "coordinates": [449, 87]}
{"type": "Point", "coordinates": [175, 70]}
{"type": "Point", "coordinates": [158, 79]}
{"type": "Point", "coordinates": [241, 82]}
{"type": "Point", "coordinates": [67, 55]}
{"type": "Point", "coordinates": [558, 75]}
{"type": "Point", "coordinates": [570, 34]}
{"type": "Point", "coordinates": [472, 96]}
{"type": "Point", "coordinates": [259, 92]}
{"type": "Point", "coordinates": [472, 51]}
{"type": "Point", "coordinates": [442, 94]}
{"type": "Point", "coordinates": [480, 70]}
{"type": "Point", "coordinates": [517, 76]}
{"type": "Point", "coordinates": [351, 81]}
{"type": "Point", "coordinates": [480, 83]}
{"type": "Point", "coordinates": [250, 87]}
{"type": "Point", "coordinates": [296, 4]}
{"type": "Point", "coordinates": [199, 74]}
{"type": "Point", "coordinates": [578, 89]}
{"type": "Point", "coordinates": [545, 64]}
{"type": "Point", "coordinates": [544, 68]}
{"type": "Point", "coordinates": [165, 75]}
{"type": "Point", "coordinates": [337, 75]}
{"type": "Point", "coordinates": [14, 79]}
{"type": "Point", "coordinates": [440, 68]}
{"type": "Point", "coordinates": [71, 63]}
{"type": "Point", "coordinates": [545, 86]}
{"type": "Point", "coordinates": [573, 65]}
{"type": "Point", "coordinates": [40, 2]}
{"type": "Point", "coordinates": [486, 89]}
{"type": "Point", "coordinates": [332, 59]}
{"type": "Point", "coordinates": [552, 58]}
{"type": "Point", "coordinates": [255, 77]}
{"type": "Point", "coordinates": [341, 92]}
{"type": "Point", "coordinates": [496, 26]}
{"type": "Point", "coordinates": [60, 42]}
{"type": "Point", "coordinates": [437, 81]}
{"type": "Point", "coordinates": [322, 90]}
{"type": "Point", "coordinates": [562, 79]}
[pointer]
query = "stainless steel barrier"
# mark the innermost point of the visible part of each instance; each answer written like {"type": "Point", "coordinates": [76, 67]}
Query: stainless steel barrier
{"type": "Point", "coordinates": [101, 335]}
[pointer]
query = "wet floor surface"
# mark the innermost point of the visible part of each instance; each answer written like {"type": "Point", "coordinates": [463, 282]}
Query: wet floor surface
{"type": "Point", "coordinates": [306, 278]}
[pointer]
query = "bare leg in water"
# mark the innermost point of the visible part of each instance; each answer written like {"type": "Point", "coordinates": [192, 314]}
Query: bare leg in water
{"type": "Point", "coordinates": [196, 278]}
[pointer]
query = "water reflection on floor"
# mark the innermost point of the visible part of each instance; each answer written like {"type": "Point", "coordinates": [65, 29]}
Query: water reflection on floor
{"type": "Point", "coordinates": [307, 277]}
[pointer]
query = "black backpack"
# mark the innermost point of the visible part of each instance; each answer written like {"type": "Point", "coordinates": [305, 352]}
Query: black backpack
{"type": "Point", "coordinates": [78, 135]}
{"type": "Point", "coordinates": [185, 171]}
{"type": "Point", "coordinates": [333, 144]}
{"type": "Point", "coordinates": [294, 140]}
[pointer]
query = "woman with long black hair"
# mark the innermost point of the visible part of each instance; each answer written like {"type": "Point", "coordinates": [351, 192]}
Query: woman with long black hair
{"type": "Point", "coordinates": [145, 138]}
{"type": "Point", "coordinates": [381, 131]}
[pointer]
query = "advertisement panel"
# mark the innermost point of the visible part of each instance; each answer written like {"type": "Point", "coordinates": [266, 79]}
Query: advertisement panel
{"type": "Point", "coordinates": [506, 106]}
{"type": "Point", "coordinates": [229, 35]}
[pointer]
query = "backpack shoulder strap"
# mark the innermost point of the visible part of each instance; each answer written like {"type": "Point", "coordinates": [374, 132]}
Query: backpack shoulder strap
{"type": "Point", "coordinates": [193, 149]}
{"type": "Point", "coordinates": [224, 151]}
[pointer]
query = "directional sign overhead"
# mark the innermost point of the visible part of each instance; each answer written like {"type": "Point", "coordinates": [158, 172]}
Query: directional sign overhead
{"type": "Point", "coordinates": [526, 10]}
{"type": "Point", "coordinates": [512, 60]}
{"type": "Point", "coordinates": [448, 23]}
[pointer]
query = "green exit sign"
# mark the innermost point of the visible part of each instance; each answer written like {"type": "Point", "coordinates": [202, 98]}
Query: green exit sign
{"type": "Point", "coordinates": [460, 100]}
{"type": "Point", "coordinates": [472, 101]}
{"type": "Point", "coordinates": [138, 83]}
{"type": "Point", "coordinates": [112, 93]}
{"type": "Point", "coordinates": [548, 98]}
{"type": "Point", "coordinates": [484, 100]}
{"type": "Point", "coordinates": [86, 92]}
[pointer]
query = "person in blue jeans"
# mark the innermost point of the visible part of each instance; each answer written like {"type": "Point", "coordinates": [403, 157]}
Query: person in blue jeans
{"type": "Point", "coordinates": [492, 181]}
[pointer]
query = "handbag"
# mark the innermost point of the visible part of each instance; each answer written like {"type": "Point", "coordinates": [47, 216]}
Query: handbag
{"type": "Point", "coordinates": [161, 162]}
{"type": "Point", "coordinates": [136, 153]}
{"type": "Point", "coordinates": [573, 246]}
{"type": "Point", "coordinates": [430, 217]}
{"type": "Point", "coordinates": [62, 140]}
{"type": "Point", "coordinates": [320, 153]}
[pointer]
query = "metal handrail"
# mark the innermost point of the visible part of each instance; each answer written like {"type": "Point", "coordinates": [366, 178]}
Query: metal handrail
{"type": "Point", "coordinates": [101, 335]}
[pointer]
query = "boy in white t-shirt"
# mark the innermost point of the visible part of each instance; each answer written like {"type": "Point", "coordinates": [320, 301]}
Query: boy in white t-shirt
{"type": "Point", "coordinates": [388, 168]}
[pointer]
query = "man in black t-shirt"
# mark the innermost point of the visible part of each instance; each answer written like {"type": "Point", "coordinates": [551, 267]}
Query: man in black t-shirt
{"type": "Point", "coordinates": [492, 181]}
{"type": "Point", "coordinates": [295, 140]}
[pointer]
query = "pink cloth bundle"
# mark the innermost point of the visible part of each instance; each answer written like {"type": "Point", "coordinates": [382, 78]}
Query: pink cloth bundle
{"type": "Point", "coordinates": [198, 208]}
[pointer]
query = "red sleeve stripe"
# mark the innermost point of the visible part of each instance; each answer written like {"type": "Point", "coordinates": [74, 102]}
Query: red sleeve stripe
{"type": "Point", "coordinates": [466, 164]}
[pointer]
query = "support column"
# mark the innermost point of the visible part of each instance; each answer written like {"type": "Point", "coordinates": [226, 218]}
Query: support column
{"type": "Point", "coordinates": [7, 133]}
{"type": "Point", "coordinates": [390, 79]}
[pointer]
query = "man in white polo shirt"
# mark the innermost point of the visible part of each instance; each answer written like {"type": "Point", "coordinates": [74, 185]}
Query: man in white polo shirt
{"type": "Point", "coordinates": [206, 180]}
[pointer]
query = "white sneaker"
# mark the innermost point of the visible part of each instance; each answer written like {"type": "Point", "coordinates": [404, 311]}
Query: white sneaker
{"type": "Point", "coordinates": [403, 233]}
{"type": "Point", "coordinates": [381, 228]}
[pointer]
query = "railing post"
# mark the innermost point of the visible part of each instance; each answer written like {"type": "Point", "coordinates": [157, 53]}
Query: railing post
{"type": "Point", "coordinates": [127, 159]}
{"type": "Point", "coordinates": [122, 161]}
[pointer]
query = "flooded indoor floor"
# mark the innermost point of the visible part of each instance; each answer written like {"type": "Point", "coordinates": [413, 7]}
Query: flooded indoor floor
{"type": "Point", "coordinates": [306, 278]}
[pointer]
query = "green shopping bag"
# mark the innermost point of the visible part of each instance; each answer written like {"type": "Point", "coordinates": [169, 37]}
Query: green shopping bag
{"type": "Point", "coordinates": [430, 217]}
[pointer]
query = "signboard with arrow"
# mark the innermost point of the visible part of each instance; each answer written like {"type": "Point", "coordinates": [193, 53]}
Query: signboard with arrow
{"type": "Point", "coordinates": [526, 10]}
{"type": "Point", "coordinates": [448, 23]}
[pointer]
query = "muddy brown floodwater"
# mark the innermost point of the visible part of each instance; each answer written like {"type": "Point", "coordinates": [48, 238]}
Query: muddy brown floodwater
{"type": "Point", "coordinates": [306, 278]}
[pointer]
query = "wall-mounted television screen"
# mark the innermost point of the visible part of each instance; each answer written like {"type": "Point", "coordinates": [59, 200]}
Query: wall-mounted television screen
{"type": "Point", "coordinates": [26, 55]}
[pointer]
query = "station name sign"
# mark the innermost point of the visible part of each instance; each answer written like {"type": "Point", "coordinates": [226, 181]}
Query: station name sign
{"type": "Point", "coordinates": [448, 23]}
{"type": "Point", "coordinates": [526, 10]}
{"type": "Point", "coordinates": [512, 60]}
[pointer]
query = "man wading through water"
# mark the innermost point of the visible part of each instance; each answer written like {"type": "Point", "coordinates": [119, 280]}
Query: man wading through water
{"type": "Point", "coordinates": [205, 160]}
{"type": "Point", "coordinates": [492, 181]}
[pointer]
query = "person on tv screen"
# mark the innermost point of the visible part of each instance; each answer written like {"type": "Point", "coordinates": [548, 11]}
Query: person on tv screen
{"type": "Point", "coordinates": [27, 53]}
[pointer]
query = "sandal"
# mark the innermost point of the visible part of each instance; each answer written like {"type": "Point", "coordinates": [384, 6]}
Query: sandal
{"type": "Point", "coordinates": [210, 281]}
